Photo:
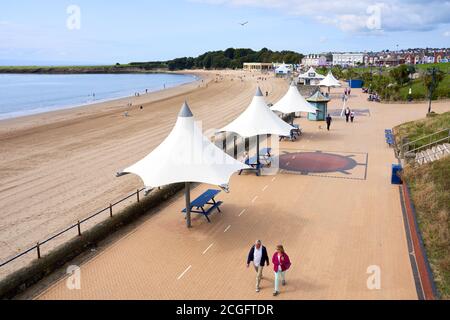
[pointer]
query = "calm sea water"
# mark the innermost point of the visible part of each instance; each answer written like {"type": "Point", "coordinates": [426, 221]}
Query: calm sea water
{"type": "Point", "coordinates": [25, 94]}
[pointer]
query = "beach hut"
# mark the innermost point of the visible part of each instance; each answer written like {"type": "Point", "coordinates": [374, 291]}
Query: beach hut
{"type": "Point", "coordinates": [186, 155]}
{"type": "Point", "coordinates": [293, 102]}
{"type": "Point", "coordinates": [329, 81]}
{"type": "Point", "coordinates": [320, 102]}
{"type": "Point", "coordinates": [257, 120]}
{"type": "Point", "coordinates": [310, 77]}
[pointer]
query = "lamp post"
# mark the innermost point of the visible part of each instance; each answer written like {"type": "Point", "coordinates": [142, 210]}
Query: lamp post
{"type": "Point", "coordinates": [431, 87]}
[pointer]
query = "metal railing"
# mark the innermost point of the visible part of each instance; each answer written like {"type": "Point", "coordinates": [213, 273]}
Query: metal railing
{"type": "Point", "coordinates": [77, 226]}
{"type": "Point", "coordinates": [412, 147]}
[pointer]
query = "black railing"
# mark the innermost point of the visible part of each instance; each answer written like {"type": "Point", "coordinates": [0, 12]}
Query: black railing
{"type": "Point", "coordinates": [77, 225]}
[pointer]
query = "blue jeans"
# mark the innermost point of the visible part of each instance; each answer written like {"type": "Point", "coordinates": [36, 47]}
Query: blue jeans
{"type": "Point", "coordinates": [279, 274]}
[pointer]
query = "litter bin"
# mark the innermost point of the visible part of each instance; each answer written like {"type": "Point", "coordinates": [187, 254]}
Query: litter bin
{"type": "Point", "coordinates": [395, 179]}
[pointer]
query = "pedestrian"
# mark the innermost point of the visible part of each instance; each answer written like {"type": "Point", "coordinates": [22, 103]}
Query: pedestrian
{"type": "Point", "coordinates": [352, 115]}
{"type": "Point", "coordinates": [267, 93]}
{"type": "Point", "coordinates": [258, 256]}
{"type": "Point", "coordinates": [349, 91]}
{"type": "Point", "coordinates": [281, 263]}
{"type": "Point", "coordinates": [329, 119]}
{"type": "Point", "coordinates": [347, 114]}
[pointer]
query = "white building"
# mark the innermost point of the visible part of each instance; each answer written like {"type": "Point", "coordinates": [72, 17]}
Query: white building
{"type": "Point", "coordinates": [314, 60]}
{"type": "Point", "coordinates": [348, 59]}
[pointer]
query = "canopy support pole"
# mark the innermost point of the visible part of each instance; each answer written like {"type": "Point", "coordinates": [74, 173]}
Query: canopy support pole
{"type": "Point", "coordinates": [187, 194]}
{"type": "Point", "coordinates": [258, 163]}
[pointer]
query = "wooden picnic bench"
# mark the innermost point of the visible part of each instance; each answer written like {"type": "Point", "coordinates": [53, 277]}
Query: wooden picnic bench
{"type": "Point", "coordinates": [207, 198]}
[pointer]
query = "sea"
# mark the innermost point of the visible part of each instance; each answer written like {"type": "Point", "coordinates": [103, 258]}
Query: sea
{"type": "Point", "coordinates": [26, 94]}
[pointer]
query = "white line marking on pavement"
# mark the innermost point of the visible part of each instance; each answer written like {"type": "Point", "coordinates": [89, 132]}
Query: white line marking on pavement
{"type": "Point", "coordinates": [228, 228]}
{"type": "Point", "coordinates": [274, 179]}
{"type": "Point", "coordinates": [264, 189]}
{"type": "Point", "coordinates": [208, 248]}
{"type": "Point", "coordinates": [242, 212]}
{"type": "Point", "coordinates": [184, 272]}
{"type": "Point", "coordinates": [254, 199]}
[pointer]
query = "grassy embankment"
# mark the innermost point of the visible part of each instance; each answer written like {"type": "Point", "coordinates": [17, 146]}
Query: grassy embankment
{"type": "Point", "coordinates": [430, 192]}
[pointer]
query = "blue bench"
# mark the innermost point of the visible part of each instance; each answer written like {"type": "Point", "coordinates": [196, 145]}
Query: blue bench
{"type": "Point", "coordinates": [389, 137]}
{"type": "Point", "coordinates": [254, 165]}
{"type": "Point", "coordinates": [201, 201]}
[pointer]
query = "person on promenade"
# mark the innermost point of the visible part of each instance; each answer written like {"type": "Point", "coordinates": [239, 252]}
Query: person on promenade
{"type": "Point", "coordinates": [258, 255]}
{"type": "Point", "coordinates": [352, 116]}
{"type": "Point", "coordinates": [281, 263]}
{"type": "Point", "coordinates": [347, 114]}
{"type": "Point", "coordinates": [329, 119]}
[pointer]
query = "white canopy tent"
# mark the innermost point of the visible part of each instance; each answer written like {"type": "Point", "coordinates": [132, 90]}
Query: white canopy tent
{"type": "Point", "coordinates": [186, 155]}
{"type": "Point", "coordinates": [258, 119]}
{"type": "Point", "coordinates": [311, 74]}
{"type": "Point", "coordinates": [329, 81]}
{"type": "Point", "coordinates": [292, 102]}
{"type": "Point", "coordinates": [283, 69]}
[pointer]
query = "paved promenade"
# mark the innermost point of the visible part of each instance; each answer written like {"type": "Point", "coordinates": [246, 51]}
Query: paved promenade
{"type": "Point", "coordinates": [335, 219]}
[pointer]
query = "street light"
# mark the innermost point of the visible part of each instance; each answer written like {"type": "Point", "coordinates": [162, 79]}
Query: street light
{"type": "Point", "coordinates": [431, 71]}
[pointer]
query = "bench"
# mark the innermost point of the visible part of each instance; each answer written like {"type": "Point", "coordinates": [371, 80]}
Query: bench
{"type": "Point", "coordinates": [389, 137]}
{"type": "Point", "coordinates": [201, 201]}
{"type": "Point", "coordinates": [254, 166]}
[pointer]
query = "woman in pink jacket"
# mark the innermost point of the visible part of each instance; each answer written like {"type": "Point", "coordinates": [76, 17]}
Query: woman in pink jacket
{"type": "Point", "coordinates": [281, 263]}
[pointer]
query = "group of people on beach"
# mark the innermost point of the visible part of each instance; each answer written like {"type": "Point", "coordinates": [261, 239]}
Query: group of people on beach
{"type": "Point", "coordinates": [258, 258]}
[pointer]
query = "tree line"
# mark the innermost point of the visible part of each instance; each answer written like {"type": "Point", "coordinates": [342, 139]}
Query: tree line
{"type": "Point", "coordinates": [230, 58]}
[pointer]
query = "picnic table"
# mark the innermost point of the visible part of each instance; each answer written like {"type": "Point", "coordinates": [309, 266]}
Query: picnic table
{"type": "Point", "coordinates": [199, 205]}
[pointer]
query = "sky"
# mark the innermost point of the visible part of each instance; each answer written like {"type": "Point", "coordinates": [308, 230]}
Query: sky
{"type": "Point", "coordinates": [104, 32]}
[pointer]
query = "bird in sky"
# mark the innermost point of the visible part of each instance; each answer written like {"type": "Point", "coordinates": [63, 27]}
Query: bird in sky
{"type": "Point", "coordinates": [243, 23]}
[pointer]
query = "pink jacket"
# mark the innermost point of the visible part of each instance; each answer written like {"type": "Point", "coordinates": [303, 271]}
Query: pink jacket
{"type": "Point", "coordinates": [285, 262]}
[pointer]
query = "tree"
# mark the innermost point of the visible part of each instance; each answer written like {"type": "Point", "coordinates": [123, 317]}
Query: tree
{"type": "Point", "coordinates": [400, 74]}
{"type": "Point", "coordinates": [431, 80]}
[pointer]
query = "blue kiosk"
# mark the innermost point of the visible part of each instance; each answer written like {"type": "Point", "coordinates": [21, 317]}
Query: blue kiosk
{"type": "Point", "coordinates": [319, 101]}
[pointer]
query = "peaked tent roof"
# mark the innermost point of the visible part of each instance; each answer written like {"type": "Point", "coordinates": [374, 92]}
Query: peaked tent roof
{"type": "Point", "coordinates": [186, 155]}
{"type": "Point", "coordinates": [284, 68]}
{"type": "Point", "coordinates": [318, 97]}
{"type": "Point", "coordinates": [330, 81]}
{"type": "Point", "coordinates": [293, 101]}
{"type": "Point", "coordinates": [311, 74]}
{"type": "Point", "coordinates": [258, 119]}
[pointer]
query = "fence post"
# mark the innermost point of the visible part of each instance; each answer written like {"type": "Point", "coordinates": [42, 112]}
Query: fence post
{"type": "Point", "coordinates": [79, 228]}
{"type": "Point", "coordinates": [110, 210]}
{"type": "Point", "coordinates": [137, 194]}
{"type": "Point", "coordinates": [38, 250]}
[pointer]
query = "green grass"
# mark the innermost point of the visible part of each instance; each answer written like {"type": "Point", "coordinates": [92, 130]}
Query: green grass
{"type": "Point", "coordinates": [417, 129]}
{"type": "Point", "coordinates": [430, 193]}
{"type": "Point", "coordinates": [419, 92]}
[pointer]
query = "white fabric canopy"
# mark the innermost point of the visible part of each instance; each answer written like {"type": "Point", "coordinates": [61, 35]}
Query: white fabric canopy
{"type": "Point", "coordinates": [311, 74]}
{"type": "Point", "coordinates": [258, 119]}
{"type": "Point", "coordinates": [186, 155]}
{"type": "Point", "coordinates": [283, 69]}
{"type": "Point", "coordinates": [293, 101]}
{"type": "Point", "coordinates": [329, 81]}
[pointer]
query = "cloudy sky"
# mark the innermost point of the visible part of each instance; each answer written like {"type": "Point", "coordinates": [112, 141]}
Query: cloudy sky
{"type": "Point", "coordinates": [101, 31]}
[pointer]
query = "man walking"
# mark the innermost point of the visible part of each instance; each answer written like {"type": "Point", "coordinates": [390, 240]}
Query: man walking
{"type": "Point", "coordinates": [328, 119]}
{"type": "Point", "coordinates": [347, 114]}
{"type": "Point", "coordinates": [258, 255]}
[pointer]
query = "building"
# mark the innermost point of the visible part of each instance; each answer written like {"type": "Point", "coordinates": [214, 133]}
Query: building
{"type": "Point", "coordinates": [257, 66]}
{"type": "Point", "coordinates": [348, 59]}
{"type": "Point", "coordinates": [314, 60]}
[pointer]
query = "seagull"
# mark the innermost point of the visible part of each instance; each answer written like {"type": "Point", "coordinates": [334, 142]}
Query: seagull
{"type": "Point", "coordinates": [244, 23]}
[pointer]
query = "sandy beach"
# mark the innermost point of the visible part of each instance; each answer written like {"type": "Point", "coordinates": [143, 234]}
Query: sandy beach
{"type": "Point", "coordinates": [59, 167]}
